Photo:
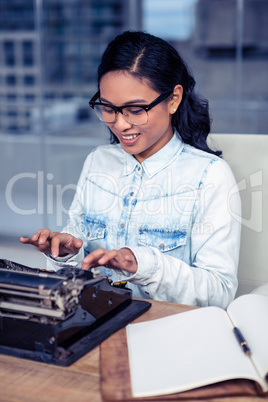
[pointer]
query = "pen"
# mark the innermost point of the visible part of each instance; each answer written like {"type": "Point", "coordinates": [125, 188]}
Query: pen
{"type": "Point", "coordinates": [241, 341]}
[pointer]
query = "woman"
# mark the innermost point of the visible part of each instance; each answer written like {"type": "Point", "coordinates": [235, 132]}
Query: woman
{"type": "Point", "coordinates": [152, 208]}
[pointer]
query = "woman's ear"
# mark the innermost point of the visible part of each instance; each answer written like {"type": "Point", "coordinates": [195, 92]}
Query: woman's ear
{"type": "Point", "coordinates": [176, 99]}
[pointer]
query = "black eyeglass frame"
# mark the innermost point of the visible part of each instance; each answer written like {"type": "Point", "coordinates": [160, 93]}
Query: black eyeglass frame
{"type": "Point", "coordinates": [118, 109]}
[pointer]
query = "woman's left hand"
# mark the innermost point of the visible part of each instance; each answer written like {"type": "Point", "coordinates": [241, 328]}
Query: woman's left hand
{"type": "Point", "coordinates": [122, 259]}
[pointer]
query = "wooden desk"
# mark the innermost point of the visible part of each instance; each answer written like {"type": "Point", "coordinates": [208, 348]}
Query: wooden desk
{"type": "Point", "coordinates": [29, 381]}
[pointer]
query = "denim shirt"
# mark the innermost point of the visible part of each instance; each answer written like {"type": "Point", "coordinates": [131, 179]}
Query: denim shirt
{"type": "Point", "coordinates": [178, 211]}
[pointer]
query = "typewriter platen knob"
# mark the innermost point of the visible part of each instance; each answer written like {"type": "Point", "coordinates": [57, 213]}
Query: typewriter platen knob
{"type": "Point", "coordinates": [109, 280]}
{"type": "Point", "coordinates": [120, 284]}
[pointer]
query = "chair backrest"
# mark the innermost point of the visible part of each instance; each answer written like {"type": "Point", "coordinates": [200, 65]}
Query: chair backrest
{"type": "Point", "coordinates": [247, 156]}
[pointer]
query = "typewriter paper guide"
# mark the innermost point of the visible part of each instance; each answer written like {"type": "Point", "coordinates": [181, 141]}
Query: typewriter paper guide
{"type": "Point", "coordinates": [58, 317]}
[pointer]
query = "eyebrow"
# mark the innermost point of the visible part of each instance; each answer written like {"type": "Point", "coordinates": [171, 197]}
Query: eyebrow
{"type": "Point", "coordinates": [135, 101]}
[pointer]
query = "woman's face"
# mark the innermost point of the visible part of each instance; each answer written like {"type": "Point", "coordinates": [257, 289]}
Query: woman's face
{"type": "Point", "coordinates": [120, 88]}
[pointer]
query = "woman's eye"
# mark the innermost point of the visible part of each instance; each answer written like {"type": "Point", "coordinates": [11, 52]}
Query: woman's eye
{"type": "Point", "coordinates": [134, 110]}
{"type": "Point", "coordinates": [106, 109]}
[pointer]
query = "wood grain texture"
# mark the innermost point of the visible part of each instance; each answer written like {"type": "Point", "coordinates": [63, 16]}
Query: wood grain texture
{"type": "Point", "coordinates": [29, 381]}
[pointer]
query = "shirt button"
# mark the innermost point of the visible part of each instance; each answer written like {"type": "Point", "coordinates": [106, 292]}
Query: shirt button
{"type": "Point", "coordinates": [162, 246]}
{"type": "Point", "coordinates": [139, 168]}
{"type": "Point", "coordinates": [122, 225]}
{"type": "Point", "coordinates": [131, 194]}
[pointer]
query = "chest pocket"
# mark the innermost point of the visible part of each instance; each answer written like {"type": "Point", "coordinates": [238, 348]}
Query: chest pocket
{"type": "Point", "coordinates": [163, 239]}
{"type": "Point", "coordinates": [93, 229]}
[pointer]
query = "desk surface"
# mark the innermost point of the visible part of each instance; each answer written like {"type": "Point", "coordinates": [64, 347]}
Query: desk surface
{"type": "Point", "coordinates": [26, 380]}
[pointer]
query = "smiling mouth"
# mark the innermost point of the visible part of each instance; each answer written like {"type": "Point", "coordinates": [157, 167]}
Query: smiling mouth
{"type": "Point", "coordinates": [129, 137]}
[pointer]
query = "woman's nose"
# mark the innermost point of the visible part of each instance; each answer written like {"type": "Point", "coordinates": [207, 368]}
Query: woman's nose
{"type": "Point", "coordinates": [121, 123]}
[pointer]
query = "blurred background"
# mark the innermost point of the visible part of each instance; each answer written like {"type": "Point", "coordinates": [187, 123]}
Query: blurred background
{"type": "Point", "coordinates": [49, 54]}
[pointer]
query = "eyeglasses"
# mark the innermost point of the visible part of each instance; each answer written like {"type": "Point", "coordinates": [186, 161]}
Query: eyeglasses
{"type": "Point", "coordinates": [134, 114]}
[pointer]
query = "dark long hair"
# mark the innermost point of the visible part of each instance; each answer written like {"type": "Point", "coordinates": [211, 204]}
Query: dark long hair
{"type": "Point", "coordinates": [145, 56]}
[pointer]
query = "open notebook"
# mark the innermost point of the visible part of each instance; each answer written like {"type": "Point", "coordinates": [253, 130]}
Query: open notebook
{"type": "Point", "coordinates": [199, 347]}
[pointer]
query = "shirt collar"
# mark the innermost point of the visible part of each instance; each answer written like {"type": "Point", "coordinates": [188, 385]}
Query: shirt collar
{"type": "Point", "coordinates": [159, 160]}
{"type": "Point", "coordinates": [130, 163]}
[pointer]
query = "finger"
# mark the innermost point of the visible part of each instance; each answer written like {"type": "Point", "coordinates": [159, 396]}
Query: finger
{"type": "Point", "coordinates": [110, 255]}
{"type": "Point", "coordinates": [36, 235]}
{"type": "Point", "coordinates": [91, 260]}
{"type": "Point", "coordinates": [74, 244]}
{"type": "Point", "coordinates": [129, 258]}
{"type": "Point", "coordinates": [78, 243]}
{"type": "Point", "coordinates": [86, 266]}
{"type": "Point", "coordinates": [24, 239]}
{"type": "Point", "coordinates": [28, 240]}
{"type": "Point", "coordinates": [32, 239]}
{"type": "Point", "coordinates": [55, 243]}
{"type": "Point", "coordinates": [44, 235]}
{"type": "Point", "coordinates": [128, 261]}
{"type": "Point", "coordinates": [95, 255]}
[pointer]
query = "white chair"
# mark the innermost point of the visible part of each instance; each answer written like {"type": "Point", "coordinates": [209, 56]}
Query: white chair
{"type": "Point", "coordinates": [247, 155]}
{"type": "Point", "coordinates": [261, 290]}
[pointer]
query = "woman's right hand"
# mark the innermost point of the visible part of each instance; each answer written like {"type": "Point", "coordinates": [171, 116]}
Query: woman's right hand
{"type": "Point", "coordinates": [55, 243]}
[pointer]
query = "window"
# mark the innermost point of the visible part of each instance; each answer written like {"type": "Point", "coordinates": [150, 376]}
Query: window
{"type": "Point", "coordinates": [29, 80]}
{"type": "Point", "coordinates": [11, 80]}
{"type": "Point", "coordinates": [27, 51]}
{"type": "Point", "coordinates": [11, 97]}
{"type": "Point", "coordinates": [9, 53]}
{"type": "Point", "coordinates": [12, 113]}
{"type": "Point", "coordinates": [29, 97]}
{"type": "Point", "coordinates": [170, 19]}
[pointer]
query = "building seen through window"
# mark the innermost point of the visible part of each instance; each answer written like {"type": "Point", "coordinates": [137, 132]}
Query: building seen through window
{"type": "Point", "coordinates": [51, 52]}
{"type": "Point", "coordinates": [53, 47]}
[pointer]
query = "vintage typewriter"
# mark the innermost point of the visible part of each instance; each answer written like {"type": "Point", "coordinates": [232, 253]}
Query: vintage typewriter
{"type": "Point", "coordinates": [58, 317]}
